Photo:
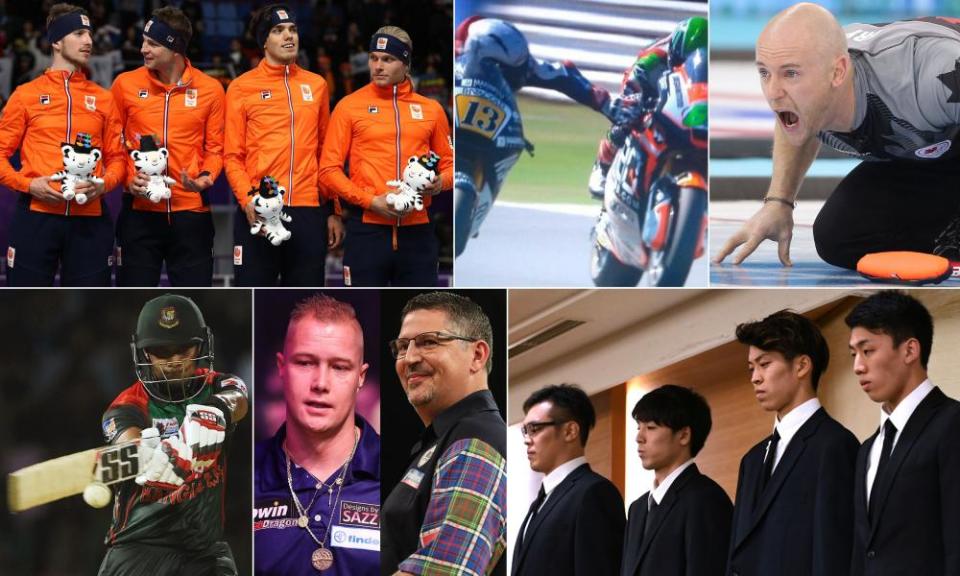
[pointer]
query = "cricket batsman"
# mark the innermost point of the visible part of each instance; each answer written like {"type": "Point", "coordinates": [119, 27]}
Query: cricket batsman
{"type": "Point", "coordinates": [169, 520]}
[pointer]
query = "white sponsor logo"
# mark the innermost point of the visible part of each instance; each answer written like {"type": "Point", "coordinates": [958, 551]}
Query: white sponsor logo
{"type": "Point", "coordinates": [934, 151]}
{"type": "Point", "coordinates": [11, 256]}
{"type": "Point", "coordinates": [238, 255]}
{"type": "Point", "coordinates": [381, 43]}
{"type": "Point", "coordinates": [84, 20]}
{"type": "Point", "coordinates": [119, 255]}
{"type": "Point", "coordinates": [306, 93]}
{"type": "Point", "coordinates": [275, 511]}
{"type": "Point", "coordinates": [412, 478]}
{"type": "Point", "coordinates": [90, 102]}
{"type": "Point", "coordinates": [346, 276]}
{"type": "Point", "coordinates": [360, 538]}
{"type": "Point", "coordinates": [426, 456]}
{"type": "Point", "coordinates": [190, 98]}
{"type": "Point", "coordinates": [416, 112]}
{"type": "Point", "coordinates": [282, 14]}
{"type": "Point", "coordinates": [167, 426]}
{"type": "Point", "coordinates": [237, 383]}
{"type": "Point", "coordinates": [44, 99]}
{"type": "Point", "coordinates": [147, 27]}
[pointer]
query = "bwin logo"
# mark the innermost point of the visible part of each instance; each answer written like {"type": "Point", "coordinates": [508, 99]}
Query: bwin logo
{"type": "Point", "coordinates": [270, 512]}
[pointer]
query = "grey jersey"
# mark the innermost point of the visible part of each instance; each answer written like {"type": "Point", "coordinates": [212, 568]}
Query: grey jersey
{"type": "Point", "coordinates": [907, 86]}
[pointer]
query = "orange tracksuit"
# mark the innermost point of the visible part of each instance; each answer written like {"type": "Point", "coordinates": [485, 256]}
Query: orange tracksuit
{"type": "Point", "coordinates": [276, 119]}
{"type": "Point", "coordinates": [377, 130]}
{"type": "Point", "coordinates": [187, 119]}
{"type": "Point", "coordinates": [48, 111]}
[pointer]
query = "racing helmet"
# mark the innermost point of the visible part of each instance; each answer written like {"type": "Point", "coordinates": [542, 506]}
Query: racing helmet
{"type": "Point", "coordinates": [499, 41]}
{"type": "Point", "coordinates": [687, 37]}
{"type": "Point", "coordinates": [695, 113]}
{"type": "Point", "coordinates": [172, 321]}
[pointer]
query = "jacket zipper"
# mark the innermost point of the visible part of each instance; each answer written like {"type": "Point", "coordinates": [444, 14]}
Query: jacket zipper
{"type": "Point", "coordinates": [166, 115]}
{"type": "Point", "coordinates": [66, 88]}
{"type": "Point", "coordinates": [399, 174]}
{"type": "Point", "coordinates": [286, 85]}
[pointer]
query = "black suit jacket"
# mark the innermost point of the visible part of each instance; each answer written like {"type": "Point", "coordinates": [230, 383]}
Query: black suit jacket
{"type": "Point", "coordinates": [689, 532]}
{"type": "Point", "coordinates": [578, 531]}
{"type": "Point", "coordinates": [802, 523]}
{"type": "Point", "coordinates": [916, 527]}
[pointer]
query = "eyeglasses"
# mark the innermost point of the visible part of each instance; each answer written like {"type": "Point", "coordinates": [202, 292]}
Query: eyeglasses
{"type": "Point", "coordinates": [531, 429]}
{"type": "Point", "coordinates": [425, 341]}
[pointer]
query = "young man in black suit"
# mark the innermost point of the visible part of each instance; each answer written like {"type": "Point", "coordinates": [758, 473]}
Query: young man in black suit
{"type": "Point", "coordinates": [793, 514]}
{"type": "Point", "coordinates": [907, 496]}
{"type": "Point", "coordinates": [575, 526]}
{"type": "Point", "coordinates": [682, 526]}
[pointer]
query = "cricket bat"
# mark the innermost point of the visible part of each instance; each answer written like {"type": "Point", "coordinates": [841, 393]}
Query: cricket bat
{"type": "Point", "coordinates": [68, 475]}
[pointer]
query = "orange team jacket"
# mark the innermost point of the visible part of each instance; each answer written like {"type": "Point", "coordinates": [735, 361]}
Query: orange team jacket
{"type": "Point", "coordinates": [376, 130]}
{"type": "Point", "coordinates": [186, 119]}
{"type": "Point", "coordinates": [48, 111]}
{"type": "Point", "coordinates": [276, 119]}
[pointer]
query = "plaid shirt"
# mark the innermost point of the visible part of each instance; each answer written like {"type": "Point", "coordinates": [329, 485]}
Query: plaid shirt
{"type": "Point", "coordinates": [464, 530]}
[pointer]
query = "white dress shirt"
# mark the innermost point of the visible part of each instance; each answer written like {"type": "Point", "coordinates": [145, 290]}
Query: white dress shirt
{"type": "Point", "coordinates": [788, 426]}
{"type": "Point", "coordinates": [900, 415]}
{"type": "Point", "coordinates": [554, 478]}
{"type": "Point", "coordinates": [657, 492]}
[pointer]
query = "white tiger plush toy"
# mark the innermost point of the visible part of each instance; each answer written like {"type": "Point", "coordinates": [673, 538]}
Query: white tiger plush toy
{"type": "Point", "coordinates": [418, 175]}
{"type": "Point", "coordinates": [152, 161]}
{"type": "Point", "coordinates": [268, 204]}
{"type": "Point", "coordinates": [79, 162]}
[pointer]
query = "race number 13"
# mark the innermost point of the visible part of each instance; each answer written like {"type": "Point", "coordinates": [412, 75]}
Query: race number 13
{"type": "Point", "coordinates": [479, 115]}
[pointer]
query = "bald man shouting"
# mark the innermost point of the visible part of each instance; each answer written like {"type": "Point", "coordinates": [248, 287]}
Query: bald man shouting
{"type": "Point", "coordinates": [888, 94]}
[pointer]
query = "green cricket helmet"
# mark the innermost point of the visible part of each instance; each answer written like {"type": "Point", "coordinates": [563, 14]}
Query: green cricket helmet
{"type": "Point", "coordinates": [171, 321]}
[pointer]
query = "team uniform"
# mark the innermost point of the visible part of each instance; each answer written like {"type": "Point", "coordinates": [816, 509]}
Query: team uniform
{"type": "Point", "coordinates": [276, 120]}
{"type": "Point", "coordinates": [39, 118]}
{"type": "Point", "coordinates": [375, 131]}
{"type": "Point", "coordinates": [156, 531]}
{"type": "Point", "coordinates": [187, 118]}
{"type": "Point", "coordinates": [906, 130]}
{"type": "Point", "coordinates": [349, 519]}
{"type": "Point", "coordinates": [448, 513]}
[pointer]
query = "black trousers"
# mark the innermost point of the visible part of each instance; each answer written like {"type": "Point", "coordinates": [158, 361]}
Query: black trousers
{"type": "Point", "coordinates": [881, 206]}
{"type": "Point", "coordinates": [299, 261]}
{"type": "Point", "coordinates": [372, 256]}
{"type": "Point", "coordinates": [146, 239]}
{"type": "Point", "coordinates": [146, 560]}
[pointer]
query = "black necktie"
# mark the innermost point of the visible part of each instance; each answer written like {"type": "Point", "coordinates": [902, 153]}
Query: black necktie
{"type": "Point", "coordinates": [768, 461]}
{"type": "Point", "coordinates": [531, 514]}
{"type": "Point", "coordinates": [651, 510]}
{"type": "Point", "coordinates": [889, 435]}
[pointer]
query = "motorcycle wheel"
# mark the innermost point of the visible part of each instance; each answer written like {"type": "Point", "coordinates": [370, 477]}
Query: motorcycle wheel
{"type": "Point", "coordinates": [606, 270]}
{"type": "Point", "coordinates": [671, 266]}
{"type": "Point", "coordinates": [463, 203]}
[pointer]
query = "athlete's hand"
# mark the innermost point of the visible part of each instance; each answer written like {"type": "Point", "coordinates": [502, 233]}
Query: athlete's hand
{"type": "Point", "coordinates": [41, 190]}
{"type": "Point", "coordinates": [380, 206]}
{"type": "Point", "coordinates": [251, 212]}
{"type": "Point", "coordinates": [166, 466]}
{"type": "Point", "coordinates": [623, 110]}
{"type": "Point", "coordinates": [203, 431]}
{"type": "Point", "coordinates": [773, 221]}
{"type": "Point", "coordinates": [435, 186]}
{"type": "Point", "coordinates": [198, 184]}
{"type": "Point", "coordinates": [335, 231]}
{"type": "Point", "coordinates": [91, 189]}
{"type": "Point", "coordinates": [139, 184]}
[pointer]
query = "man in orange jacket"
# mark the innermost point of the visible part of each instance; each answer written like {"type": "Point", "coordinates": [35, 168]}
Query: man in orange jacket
{"type": "Point", "coordinates": [182, 109]}
{"type": "Point", "coordinates": [277, 114]}
{"type": "Point", "coordinates": [376, 130]}
{"type": "Point", "coordinates": [59, 108]}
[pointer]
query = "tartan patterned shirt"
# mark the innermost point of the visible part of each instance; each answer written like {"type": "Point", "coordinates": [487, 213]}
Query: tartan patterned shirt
{"type": "Point", "coordinates": [464, 530]}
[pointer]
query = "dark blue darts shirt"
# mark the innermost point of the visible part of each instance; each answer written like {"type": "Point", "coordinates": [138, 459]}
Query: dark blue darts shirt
{"type": "Point", "coordinates": [282, 547]}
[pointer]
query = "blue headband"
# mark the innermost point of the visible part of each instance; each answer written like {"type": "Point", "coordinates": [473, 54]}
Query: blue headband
{"type": "Point", "coordinates": [391, 45]}
{"type": "Point", "coordinates": [161, 32]}
{"type": "Point", "coordinates": [66, 24]}
{"type": "Point", "coordinates": [279, 15]}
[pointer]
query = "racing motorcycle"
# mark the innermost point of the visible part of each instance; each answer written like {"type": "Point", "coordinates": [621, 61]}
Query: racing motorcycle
{"type": "Point", "coordinates": [654, 214]}
{"type": "Point", "coordinates": [490, 139]}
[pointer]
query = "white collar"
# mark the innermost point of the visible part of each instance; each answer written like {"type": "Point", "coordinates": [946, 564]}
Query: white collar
{"type": "Point", "coordinates": [901, 414]}
{"type": "Point", "coordinates": [794, 419]}
{"type": "Point", "coordinates": [554, 478]}
{"type": "Point", "coordinates": [658, 492]}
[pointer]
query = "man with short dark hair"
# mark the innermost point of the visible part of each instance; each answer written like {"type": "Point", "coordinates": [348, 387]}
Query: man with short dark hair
{"type": "Point", "coordinates": [793, 513]}
{"type": "Point", "coordinates": [682, 525]}
{"type": "Point", "coordinates": [448, 513]}
{"type": "Point", "coordinates": [907, 482]}
{"type": "Point", "coordinates": [57, 118]}
{"type": "Point", "coordinates": [325, 459]}
{"type": "Point", "coordinates": [575, 525]}
{"type": "Point", "coordinates": [167, 103]}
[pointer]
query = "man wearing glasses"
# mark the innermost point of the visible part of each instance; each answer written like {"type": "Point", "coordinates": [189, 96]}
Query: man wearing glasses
{"type": "Point", "coordinates": [448, 513]}
{"type": "Point", "coordinates": [575, 526]}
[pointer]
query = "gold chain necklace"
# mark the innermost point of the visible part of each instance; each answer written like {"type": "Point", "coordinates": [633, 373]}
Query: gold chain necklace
{"type": "Point", "coordinates": [322, 557]}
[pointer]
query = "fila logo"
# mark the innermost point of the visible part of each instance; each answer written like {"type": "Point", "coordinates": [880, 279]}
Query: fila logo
{"type": "Point", "coordinates": [381, 43]}
{"type": "Point", "coordinates": [935, 151]}
{"type": "Point", "coordinates": [276, 511]}
{"type": "Point", "coordinates": [44, 99]}
{"type": "Point", "coordinates": [265, 94]}
{"type": "Point", "coordinates": [372, 109]}
{"type": "Point", "coordinates": [142, 93]}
